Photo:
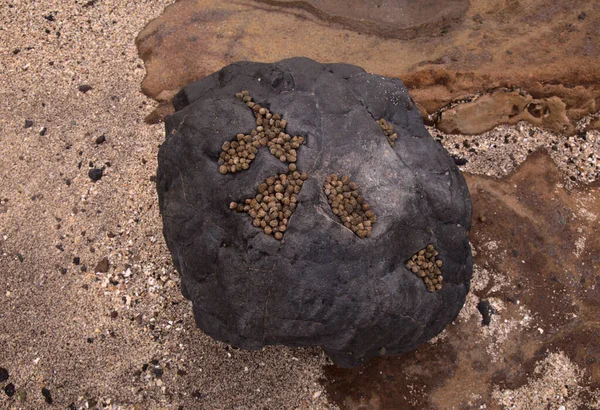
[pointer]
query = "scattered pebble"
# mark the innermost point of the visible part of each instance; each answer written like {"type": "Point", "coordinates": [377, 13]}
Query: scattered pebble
{"type": "Point", "coordinates": [486, 311]}
{"type": "Point", "coordinates": [348, 205]}
{"type": "Point", "coordinates": [100, 139]}
{"type": "Point", "coordinates": [28, 123]}
{"type": "Point", "coordinates": [426, 265]}
{"type": "Point", "coordinates": [9, 389]}
{"type": "Point", "coordinates": [43, 131]}
{"type": "Point", "coordinates": [102, 266]}
{"type": "Point", "coordinates": [3, 374]}
{"type": "Point", "coordinates": [95, 174]}
{"type": "Point", "coordinates": [47, 395]}
{"type": "Point", "coordinates": [84, 88]}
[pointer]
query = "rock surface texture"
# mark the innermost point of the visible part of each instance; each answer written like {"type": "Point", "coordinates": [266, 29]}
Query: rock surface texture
{"type": "Point", "coordinates": [320, 284]}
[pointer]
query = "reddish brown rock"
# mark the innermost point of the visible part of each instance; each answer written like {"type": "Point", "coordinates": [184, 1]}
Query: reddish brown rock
{"type": "Point", "coordinates": [538, 47]}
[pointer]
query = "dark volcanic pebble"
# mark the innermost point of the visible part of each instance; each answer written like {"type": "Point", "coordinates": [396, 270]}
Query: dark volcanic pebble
{"type": "Point", "coordinates": [486, 311]}
{"type": "Point", "coordinates": [47, 395]}
{"type": "Point", "coordinates": [100, 139]}
{"type": "Point", "coordinates": [459, 161]}
{"type": "Point", "coordinates": [28, 123]}
{"type": "Point", "coordinates": [3, 374]}
{"type": "Point", "coordinates": [9, 389]}
{"type": "Point", "coordinates": [158, 372]}
{"type": "Point", "coordinates": [43, 131]}
{"type": "Point", "coordinates": [84, 88]}
{"type": "Point", "coordinates": [95, 174]}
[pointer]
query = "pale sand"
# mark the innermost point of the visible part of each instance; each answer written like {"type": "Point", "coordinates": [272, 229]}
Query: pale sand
{"type": "Point", "coordinates": [46, 316]}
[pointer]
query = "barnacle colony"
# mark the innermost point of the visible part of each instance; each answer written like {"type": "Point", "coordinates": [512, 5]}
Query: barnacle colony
{"type": "Point", "coordinates": [276, 198]}
{"type": "Point", "coordinates": [237, 155]}
{"type": "Point", "coordinates": [427, 265]}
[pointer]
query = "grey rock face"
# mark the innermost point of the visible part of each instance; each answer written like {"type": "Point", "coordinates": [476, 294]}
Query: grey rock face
{"type": "Point", "coordinates": [321, 285]}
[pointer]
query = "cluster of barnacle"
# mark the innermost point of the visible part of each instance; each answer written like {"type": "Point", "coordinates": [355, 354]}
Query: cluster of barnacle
{"type": "Point", "coordinates": [276, 198]}
{"type": "Point", "coordinates": [274, 203]}
{"type": "Point", "coordinates": [388, 130]}
{"type": "Point", "coordinates": [347, 203]}
{"type": "Point", "coordinates": [427, 265]}
{"type": "Point", "coordinates": [237, 155]}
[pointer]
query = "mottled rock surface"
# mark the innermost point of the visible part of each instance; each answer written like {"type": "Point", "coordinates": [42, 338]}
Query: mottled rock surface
{"type": "Point", "coordinates": [446, 53]}
{"type": "Point", "coordinates": [321, 285]}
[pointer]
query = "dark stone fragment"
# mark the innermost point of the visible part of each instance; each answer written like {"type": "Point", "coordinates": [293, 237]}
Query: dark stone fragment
{"type": "Point", "coordinates": [68, 182]}
{"type": "Point", "coordinates": [321, 285]}
{"type": "Point", "coordinates": [459, 160]}
{"type": "Point", "coordinates": [63, 270]}
{"type": "Point", "coordinates": [76, 260]}
{"type": "Point", "coordinates": [145, 367]}
{"type": "Point", "coordinates": [158, 372]}
{"type": "Point", "coordinates": [60, 247]}
{"type": "Point", "coordinates": [49, 17]}
{"type": "Point", "coordinates": [95, 174]}
{"type": "Point", "coordinates": [114, 314]}
{"type": "Point", "coordinates": [3, 374]}
{"type": "Point", "coordinates": [28, 123]}
{"type": "Point", "coordinates": [47, 395]}
{"type": "Point", "coordinates": [20, 257]}
{"type": "Point", "coordinates": [90, 3]}
{"type": "Point", "coordinates": [102, 266]}
{"type": "Point", "coordinates": [84, 88]}
{"type": "Point", "coordinates": [9, 389]}
{"type": "Point", "coordinates": [90, 340]}
{"type": "Point", "coordinates": [582, 16]}
{"type": "Point", "coordinates": [100, 139]}
{"type": "Point", "coordinates": [486, 311]}
{"type": "Point", "coordinates": [43, 131]}
{"type": "Point", "coordinates": [16, 51]}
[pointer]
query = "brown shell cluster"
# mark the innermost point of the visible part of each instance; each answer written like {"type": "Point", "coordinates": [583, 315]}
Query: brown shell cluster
{"type": "Point", "coordinates": [274, 203]}
{"type": "Point", "coordinates": [347, 203]}
{"type": "Point", "coordinates": [426, 265]}
{"type": "Point", "coordinates": [237, 155]}
{"type": "Point", "coordinates": [388, 130]}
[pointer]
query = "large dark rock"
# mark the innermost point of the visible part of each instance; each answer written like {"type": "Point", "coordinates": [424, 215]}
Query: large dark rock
{"type": "Point", "coordinates": [321, 285]}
